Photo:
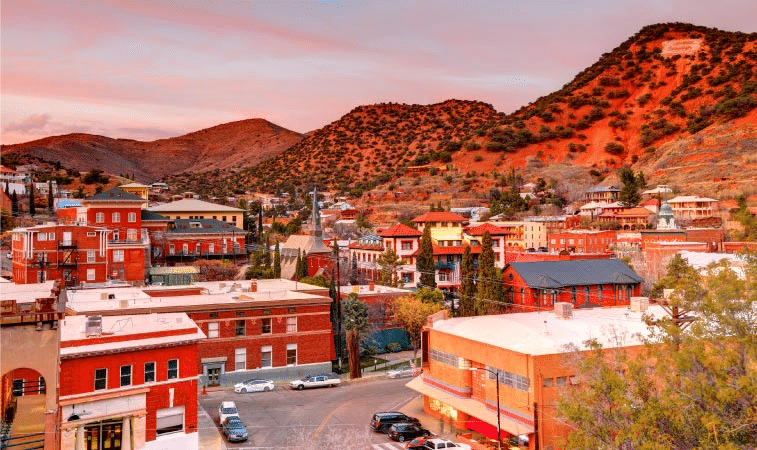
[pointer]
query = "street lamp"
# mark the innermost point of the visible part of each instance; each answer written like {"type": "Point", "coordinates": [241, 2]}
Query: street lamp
{"type": "Point", "coordinates": [499, 428]}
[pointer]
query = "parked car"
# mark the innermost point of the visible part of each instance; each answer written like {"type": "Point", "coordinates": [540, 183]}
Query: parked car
{"type": "Point", "coordinates": [400, 373]}
{"type": "Point", "coordinates": [254, 386]}
{"type": "Point", "coordinates": [314, 381]}
{"type": "Point", "coordinates": [226, 410]}
{"type": "Point", "coordinates": [406, 430]}
{"type": "Point", "coordinates": [417, 443]}
{"type": "Point", "coordinates": [381, 421]}
{"type": "Point", "coordinates": [234, 430]}
{"type": "Point", "coordinates": [436, 443]}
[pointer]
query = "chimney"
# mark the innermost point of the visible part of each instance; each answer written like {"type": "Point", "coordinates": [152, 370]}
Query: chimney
{"type": "Point", "coordinates": [371, 286]}
{"type": "Point", "coordinates": [253, 286]}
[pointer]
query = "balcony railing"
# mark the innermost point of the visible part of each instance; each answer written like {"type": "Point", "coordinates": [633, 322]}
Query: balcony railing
{"type": "Point", "coordinates": [445, 266]}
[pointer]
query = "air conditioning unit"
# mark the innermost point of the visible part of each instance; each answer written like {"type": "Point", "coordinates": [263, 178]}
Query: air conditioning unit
{"type": "Point", "coordinates": [94, 326]}
{"type": "Point", "coordinates": [564, 310]}
{"type": "Point", "coordinates": [123, 304]}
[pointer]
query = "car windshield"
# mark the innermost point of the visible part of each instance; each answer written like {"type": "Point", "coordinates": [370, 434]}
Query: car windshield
{"type": "Point", "coordinates": [229, 410]}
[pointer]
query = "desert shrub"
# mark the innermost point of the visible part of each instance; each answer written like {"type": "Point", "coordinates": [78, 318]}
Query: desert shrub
{"type": "Point", "coordinates": [478, 158]}
{"type": "Point", "coordinates": [614, 148]}
{"type": "Point", "coordinates": [609, 82]}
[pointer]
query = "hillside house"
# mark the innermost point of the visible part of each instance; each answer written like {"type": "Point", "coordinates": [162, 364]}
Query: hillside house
{"type": "Point", "coordinates": [602, 194]}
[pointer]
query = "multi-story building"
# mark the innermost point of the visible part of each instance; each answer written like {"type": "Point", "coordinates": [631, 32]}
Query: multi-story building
{"type": "Point", "coordinates": [71, 253]}
{"type": "Point", "coordinates": [190, 208]}
{"type": "Point", "coordinates": [405, 241]}
{"type": "Point", "coordinates": [468, 361]}
{"type": "Point", "coordinates": [602, 194]}
{"type": "Point", "coordinates": [264, 328]}
{"type": "Point", "coordinates": [583, 283]}
{"type": "Point", "coordinates": [446, 227]}
{"type": "Point", "coordinates": [688, 207]}
{"type": "Point", "coordinates": [365, 251]}
{"type": "Point", "coordinates": [129, 381]}
{"type": "Point", "coordinates": [186, 240]}
{"type": "Point", "coordinates": [138, 189]}
{"type": "Point", "coordinates": [508, 237]}
{"type": "Point", "coordinates": [582, 241]}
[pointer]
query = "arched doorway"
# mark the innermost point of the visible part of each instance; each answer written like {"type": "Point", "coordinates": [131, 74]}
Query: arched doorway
{"type": "Point", "coordinates": [23, 405]}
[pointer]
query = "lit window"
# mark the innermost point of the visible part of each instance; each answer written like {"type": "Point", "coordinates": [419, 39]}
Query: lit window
{"type": "Point", "coordinates": [240, 358]}
{"type": "Point", "coordinates": [292, 324]}
{"type": "Point", "coordinates": [291, 354]}
{"type": "Point", "coordinates": [212, 329]}
{"type": "Point", "coordinates": [101, 379]}
{"type": "Point", "coordinates": [125, 375]}
{"type": "Point", "coordinates": [131, 234]}
{"type": "Point", "coordinates": [173, 369]}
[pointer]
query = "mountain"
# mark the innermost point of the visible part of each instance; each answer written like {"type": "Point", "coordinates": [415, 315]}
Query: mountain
{"type": "Point", "coordinates": [224, 147]}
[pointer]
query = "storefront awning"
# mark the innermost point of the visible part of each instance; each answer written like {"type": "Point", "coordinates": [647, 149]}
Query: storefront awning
{"type": "Point", "coordinates": [473, 408]}
{"type": "Point", "coordinates": [216, 360]}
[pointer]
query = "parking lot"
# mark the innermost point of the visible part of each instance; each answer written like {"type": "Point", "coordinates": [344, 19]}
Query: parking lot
{"type": "Point", "coordinates": [321, 418]}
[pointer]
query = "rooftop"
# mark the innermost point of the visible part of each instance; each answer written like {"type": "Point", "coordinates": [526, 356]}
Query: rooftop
{"type": "Point", "coordinates": [190, 204]}
{"type": "Point", "coordinates": [116, 194]}
{"type": "Point", "coordinates": [439, 216]}
{"type": "Point", "coordinates": [543, 333]}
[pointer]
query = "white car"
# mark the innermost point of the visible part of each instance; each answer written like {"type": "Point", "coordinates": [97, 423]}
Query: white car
{"type": "Point", "coordinates": [253, 386]}
{"type": "Point", "coordinates": [434, 444]}
{"type": "Point", "coordinates": [314, 381]}
{"type": "Point", "coordinates": [226, 410]}
{"type": "Point", "coordinates": [399, 373]}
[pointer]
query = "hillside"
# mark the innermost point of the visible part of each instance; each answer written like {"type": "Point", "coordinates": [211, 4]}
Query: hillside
{"type": "Point", "coordinates": [224, 147]}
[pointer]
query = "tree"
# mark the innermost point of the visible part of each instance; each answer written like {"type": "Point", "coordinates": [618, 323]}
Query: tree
{"type": "Point", "coordinates": [214, 270]}
{"type": "Point", "coordinates": [389, 262]}
{"type": "Point", "coordinates": [746, 219]}
{"type": "Point", "coordinates": [467, 290]}
{"type": "Point", "coordinates": [50, 198]}
{"type": "Point", "coordinates": [412, 312]}
{"type": "Point", "coordinates": [353, 270]}
{"type": "Point", "coordinates": [355, 324]}
{"type": "Point", "coordinates": [277, 262]}
{"type": "Point", "coordinates": [425, 261]}
{"type": "Point", "coordinates": [689, 387]}
{"type": "Point", "coordinates": [304, 270]}
{"type": "Point", "coordinates": [506, 202]}
{"type": "Point", "coordinates": [32, 207]}
{"type": "Point", "coordinates": [14, 204]}
{"type": "Point", "coordinates": [632, 183]}
{"type": "Point", "coordinates": [489, 288]}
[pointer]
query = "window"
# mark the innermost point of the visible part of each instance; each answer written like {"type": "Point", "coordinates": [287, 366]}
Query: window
{"type": "Point", "coordinates": [42, 236]}
{"type": "Point", "coordinates": [131, 234]}
{"type": "Point", "coordinates": [90, 274]}
{"type": "Point", "coordinates": [169, 420]}
{"type": "Point", "coordinates": [560, 381]}
{"type": "Point", "coordinates": [442, 276]}
{"type": "Point", "coordinates": [18, 387]}
{"type": "Point", "coordinates": [292, 324]}
{"type": "Point", "coordinates": [101, 379]}
{"type": "Point", "coordinates": [173, 369]}
{"type": "Point", "coordinates": [239, 330]}
{"type": "Point", "coordinates": [90, 256]}
{"type": "Point", "coordinates": [125, 375]}
{"type": "Point", "coordinates": [100, 217]}
{"type": "Point", "coordinates": [118, 256]}
{"type": "Point", "coordinates": [265, 325]}
{"type": "Point", "coordinates": [407, 245]}
{"type": "Point", "coordinates": [547, 382]}
{"type": "Point", "coordinates": [115, 217]}
{"type": "Point", "coordinates": [212, 329]}
{"type": "Point", "coordinates": [240, 358]}
{"type": "Point", "coordinates": [573, 294]}
{"type": "Point", "coordinates": [50, 236]}
{"type": "Point", "coordinates": [116, 235]}
{"type": "Point", "coordinates": [149, 372]}
{"type": "Point", "coordinates": [291, 354]}
{"type": "Point", "coordinates": [407, 277]}
{"type": "Point", "coordinates": [265, 356]}
{"type": "Point", "coordinates": [198, 249]}
{"type": "Point", "coordinates": [211, 248]}
{"type": "Point", "coordinates": [223, 219]}
{"type": "Point", "coordinates": [185, 249]}
{"type": "Point", "coordinates": [171, 249]}
{"type": "Point", "coordinates": [599, 294]}
{"type": "Point", "coordinates": [41, 389]}
{"type": "Point", "coordinates": [132, 217]}
{"type": "Point", "coordinates": [91, 234]}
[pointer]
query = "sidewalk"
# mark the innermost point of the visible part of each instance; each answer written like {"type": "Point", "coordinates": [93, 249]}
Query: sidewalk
{"type": "Point", "coordinates": [207, 432]}
{"type": "Point", "coordinates": [436, 426]}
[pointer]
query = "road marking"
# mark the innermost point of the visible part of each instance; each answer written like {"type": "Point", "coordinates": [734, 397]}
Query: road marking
{"type": "Point", "coordinates": [326, 419]}
{"type": "Point", "coordinates": [390, 446]}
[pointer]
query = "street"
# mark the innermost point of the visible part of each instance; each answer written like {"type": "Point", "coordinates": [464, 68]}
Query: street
{"type": "Point", "coordinates": [315, 418]}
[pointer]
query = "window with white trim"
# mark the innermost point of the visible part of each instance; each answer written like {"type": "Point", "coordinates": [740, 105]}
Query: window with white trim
{"type": "Point", "coordinates": [41, 236]}
{"type": "Point", "coordinates": [169, 420]}
{"type": "Point", "coordinates": [115, 217]}
{"type": "Point", "coordinates": [90, 274]}
{"type": "Point", "coordinates": [240, 328]}
{"type": "Point", "coordinates": [118, 256]}
{"type": "Point", "coordinates": [291, 354]}
{"type": "Point", "coordinates": [240, 359]}
{"type": "Point", "coordinates": [149, 372]}
{"type": "Point", "coordinates": [292, 324]}
{"type": "Point", "coordinates": [212, 330]}
{"type": "Point", "coordinates": [132, 217]}
{"type": "Point", "coordinates": [266, 353]}
{"type": "Point", "coordinates": [131, 234]}
{"type": "Point", "coordinates": [125, 375]}
{"type": "Point", "coordinates": [90, 256]}
{"type": "Point", "coordinates": [173, 369]}
{"type": "Point", "coordinates": [100, 217]}
{"type": "Point", "coordinates": [101, 379]}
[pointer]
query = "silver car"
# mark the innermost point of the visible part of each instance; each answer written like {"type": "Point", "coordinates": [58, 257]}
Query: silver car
{"type": "Point", "coordinates": [254, 386]}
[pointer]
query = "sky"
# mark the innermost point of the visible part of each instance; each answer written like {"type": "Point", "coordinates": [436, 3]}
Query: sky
{"type": "Point", "coordinates": [155, 69]}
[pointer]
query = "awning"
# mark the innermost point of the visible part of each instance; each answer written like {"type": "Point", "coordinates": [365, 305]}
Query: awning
{"type": "Point", "coordinates": [471, 407]}
{"type": "Point", "coordinates": [216, 360]}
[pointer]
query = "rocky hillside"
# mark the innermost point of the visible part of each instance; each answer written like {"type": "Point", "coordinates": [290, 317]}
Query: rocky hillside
{"type": "Point", "coordinates": [224, 147]}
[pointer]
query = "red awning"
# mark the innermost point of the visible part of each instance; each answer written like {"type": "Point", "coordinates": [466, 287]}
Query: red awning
{"type": "Point", "coordinates": [484, 428]}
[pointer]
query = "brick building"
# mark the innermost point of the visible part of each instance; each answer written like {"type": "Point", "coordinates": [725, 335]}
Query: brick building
{"type": "Point", "coordinates": [267, 328]}
{"type": "Point", "coordinates": [583, 283]}
{"type": "Point", "coordinates": [464, 358]}
{"type": "Point", "coordinates": [582, 241]}
{"type": "Point", "coordinates": [129, 382]}
{"type": "Point", "coordinates": [186, 240]}
{"type": "Point", "coordinates": [405, 241]}
{"type": "Point", "coordinates": [365, 251]}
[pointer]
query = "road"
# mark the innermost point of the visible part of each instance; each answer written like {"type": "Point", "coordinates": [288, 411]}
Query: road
{"type": "Point", "coordinates": [322, 418]}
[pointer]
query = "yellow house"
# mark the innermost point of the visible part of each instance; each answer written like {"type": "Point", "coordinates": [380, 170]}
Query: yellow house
{"type": "Point", "coordinates": [140, 190]}
{"type": "Point", "coordinates": [190, 208]}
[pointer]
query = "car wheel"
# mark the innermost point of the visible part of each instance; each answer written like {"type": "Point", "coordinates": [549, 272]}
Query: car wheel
{"type": "Point", "coordinates": [246, 391]}
{"type": "Point", "coordinates": [301, 387]}
{"type": "Point", "coordinates": [427, 433]}
{"type": "Point", "coordinates": [266, 389]}
{"type": "Point", "coordinates": [384, 429]}
{"type": "Point", "coordinates": [401, 438]}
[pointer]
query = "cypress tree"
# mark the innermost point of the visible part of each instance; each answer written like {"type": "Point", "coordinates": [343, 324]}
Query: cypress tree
{"type": "Point", "coordinates": [14, 204]}
{"type": "Point", "coordinates": [298, 266]}
{"type": "Point", "coordinates": [32, 207]}
{"type": "Point", "coordinates": [304, 267]}
{"type": "Point", "coordinates": [7, 189]}
{"type": "Point", "coordinates": [467, 285]}
{"type": "Point", "coordinates": [277, 262]}
{"type": "Point", "coordinates": [487, 276]}
{"type": "Point", "coordinates": [425, 262]}
{"type": "Point", "coordinates": [353, 270]}
{"type": "Point", "coordinates": [50, 198]}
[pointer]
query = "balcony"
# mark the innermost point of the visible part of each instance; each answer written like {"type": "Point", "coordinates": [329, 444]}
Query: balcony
{"type": "Point", "coordinates": [445, 265]}
{"type": "Point", "coordinates": [67, 245]}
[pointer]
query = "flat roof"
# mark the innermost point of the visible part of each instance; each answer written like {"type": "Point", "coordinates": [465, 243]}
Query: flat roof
{"type": "Point", "coordinates": [25, 293]}
{"type": "Point", "coordinates": [365, 289]}
{"type": "Point", "coordinates": [544, 333]}
{"type": "Point", "coordinates": [117, 329]}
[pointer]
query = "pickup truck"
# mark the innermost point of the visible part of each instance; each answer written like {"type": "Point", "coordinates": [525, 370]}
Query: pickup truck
{"type": "Point", "coordinates": [314, 381]}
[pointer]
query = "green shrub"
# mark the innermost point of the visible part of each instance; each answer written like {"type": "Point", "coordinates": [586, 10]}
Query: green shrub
{"type": "Point", "coordinates": [614, 148]}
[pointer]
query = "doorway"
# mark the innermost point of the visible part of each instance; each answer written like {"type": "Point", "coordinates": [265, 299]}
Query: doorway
{"type": "Point", "coordinates": [214, 375]}
{"type": "Point", "coordinates": [105, 435]}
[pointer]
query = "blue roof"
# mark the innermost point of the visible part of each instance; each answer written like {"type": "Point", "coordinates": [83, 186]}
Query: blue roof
{"type": "Point", "coordinates": [580, 272]}
{"type": "Point", "coordinates": [68, 203]}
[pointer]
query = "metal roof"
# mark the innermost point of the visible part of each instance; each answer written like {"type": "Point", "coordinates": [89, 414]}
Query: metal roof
{"type": "Point", "coordinates": [116, 194]}
{"type": "Point", "coordinates": [203, 226]}
{"type": "Point", "coordinates": [580, 272]}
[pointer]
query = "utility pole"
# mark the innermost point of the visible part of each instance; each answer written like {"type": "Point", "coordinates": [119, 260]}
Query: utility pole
{"type": "Point", "coordinates": [338, 308]}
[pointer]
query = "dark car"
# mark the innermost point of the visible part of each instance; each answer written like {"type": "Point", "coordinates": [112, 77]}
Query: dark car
{"type": "Point", "coordinates": [234, 430]}
{"type": "Point", "coordinates": [381, 421]}
{"type": "Point", "coordinates": [408, 430]}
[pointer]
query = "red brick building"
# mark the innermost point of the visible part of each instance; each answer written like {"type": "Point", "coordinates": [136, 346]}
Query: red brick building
{"type": "Point", "coordinates": [267, 328]}
{"type": "Point", "coordinates": [187, 240]}
{"type": "Point", "coordinates": [584, 283]}
{"type": "Point", "coordinates": [129, 382]}
{"type": "Point", "coordinates": [581, 241]}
